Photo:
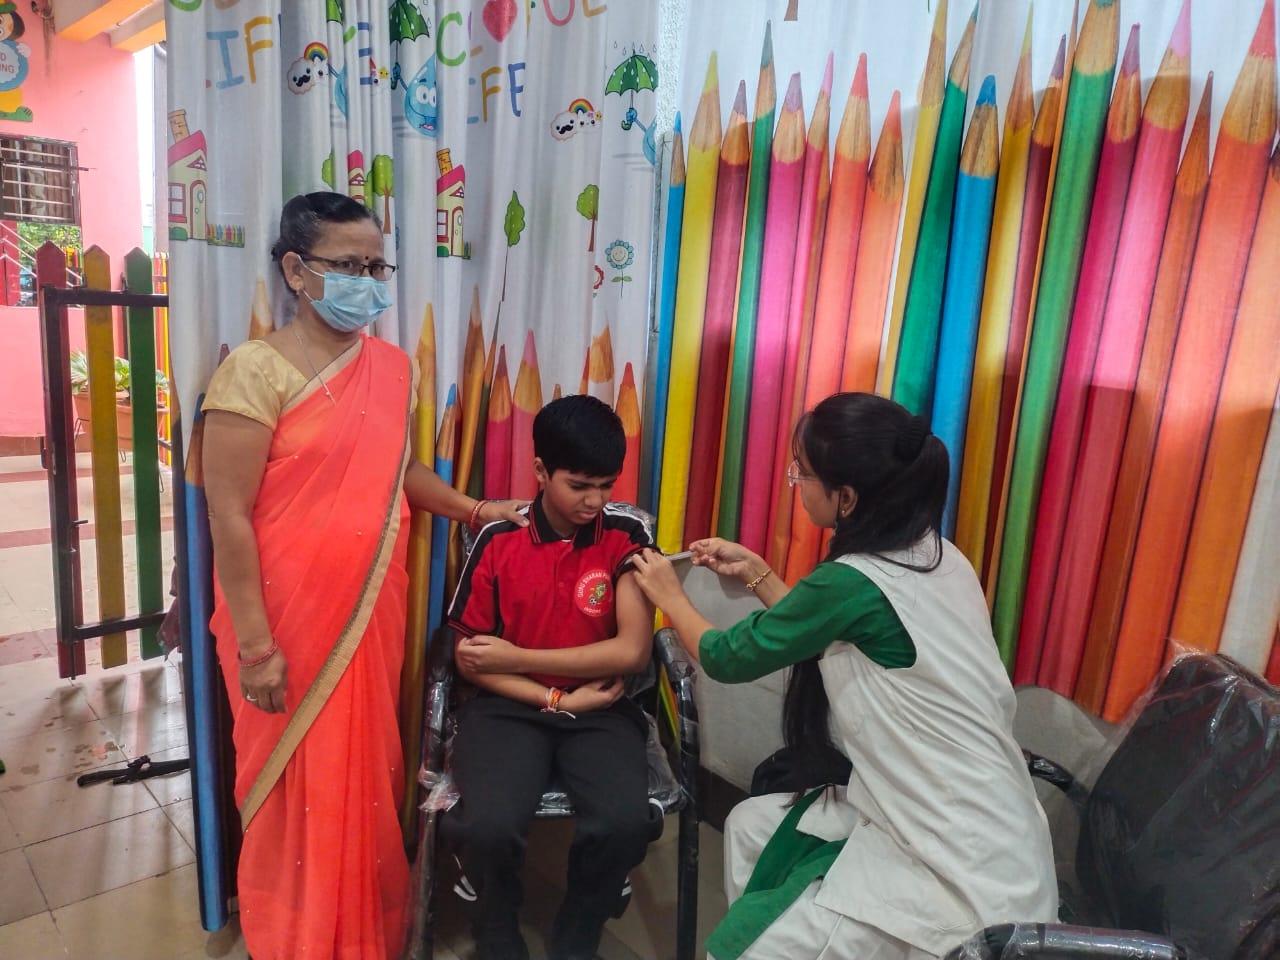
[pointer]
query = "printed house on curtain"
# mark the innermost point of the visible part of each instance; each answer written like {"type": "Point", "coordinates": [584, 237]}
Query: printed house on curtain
{"type": "Point", "coordinates": [450, 192]}
{"type": "Point", "coordinates": [189, 188]}
{"type": "Point", "coordinates": [188, 180]}
{"type": "Point", "coordinates": [355, 175]}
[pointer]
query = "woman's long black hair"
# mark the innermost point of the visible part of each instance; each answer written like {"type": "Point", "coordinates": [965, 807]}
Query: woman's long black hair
{"type": "Point", "coordinates": [898, 470]}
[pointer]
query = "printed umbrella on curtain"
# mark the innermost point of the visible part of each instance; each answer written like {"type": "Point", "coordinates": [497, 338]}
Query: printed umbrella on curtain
{"type": "Point", "coordinates": [634, 74]}
{"type": "Point", "coordinates": [406, 22]}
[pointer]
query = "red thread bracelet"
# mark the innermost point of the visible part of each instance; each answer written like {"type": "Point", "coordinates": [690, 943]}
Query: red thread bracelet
{"type": "Point", "coordinates": [474, 522]}
{"type": "Point", "coordinates": [258, 661]}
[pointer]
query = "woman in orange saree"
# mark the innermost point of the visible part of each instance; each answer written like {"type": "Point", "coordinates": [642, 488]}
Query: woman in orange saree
{"type": "Point", "coordinates": [310, 481]}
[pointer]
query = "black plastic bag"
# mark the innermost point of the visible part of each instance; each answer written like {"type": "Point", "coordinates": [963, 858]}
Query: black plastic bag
{"type": "Point", "coordinates": [1181, 833]}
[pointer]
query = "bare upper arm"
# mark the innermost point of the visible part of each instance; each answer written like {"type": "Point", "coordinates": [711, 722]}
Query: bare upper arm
{"type": "Point", "coordinates": [635, 618]}
{"type": "Point", "coordinates": [234, 458]}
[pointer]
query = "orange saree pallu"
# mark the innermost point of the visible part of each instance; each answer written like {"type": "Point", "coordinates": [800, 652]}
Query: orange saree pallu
{"type": "Point", "coordinates": [322, 870]}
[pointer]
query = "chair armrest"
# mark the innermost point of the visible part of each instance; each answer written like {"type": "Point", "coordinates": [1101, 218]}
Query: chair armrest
{"type": "Point", "coordinates": [674, 658]}
{"type": "Point", "coordinates": [1058, 941]}
{"type": "Point", "coordinates": [679, 668]}
{"type": "Point", "coordinates": [1042, 768]}
{"type": "Point", "coordinates": [440, 674]}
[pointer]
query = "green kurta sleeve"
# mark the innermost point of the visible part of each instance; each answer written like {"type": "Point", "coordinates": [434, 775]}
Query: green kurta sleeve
{"type": "Point", "coordinates": [834, 603]}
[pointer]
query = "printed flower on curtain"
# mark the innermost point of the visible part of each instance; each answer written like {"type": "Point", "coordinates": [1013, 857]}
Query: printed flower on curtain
{"type": "Point", "coordinates": [620, 255]}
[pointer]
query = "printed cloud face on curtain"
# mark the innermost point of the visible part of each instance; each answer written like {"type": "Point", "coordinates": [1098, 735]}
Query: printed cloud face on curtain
{"type": "Point", "coordinates": [1054, 238]}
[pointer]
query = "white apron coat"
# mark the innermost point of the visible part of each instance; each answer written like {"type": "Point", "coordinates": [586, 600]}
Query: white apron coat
{"type": "Point", "coordinates": [945, 834]}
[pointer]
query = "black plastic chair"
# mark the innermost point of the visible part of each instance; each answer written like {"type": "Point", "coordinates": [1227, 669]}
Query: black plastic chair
{"type": "Point", "coordinates": [1179, 836]}
{"type": "Point", "coordinates": [670, 658]}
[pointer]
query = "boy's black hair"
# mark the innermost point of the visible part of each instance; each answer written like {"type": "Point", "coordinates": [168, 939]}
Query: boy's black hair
{"type": "Point", "coordinates": [580, 434]}
{"type": "Point", "coordinates": [303, 217]}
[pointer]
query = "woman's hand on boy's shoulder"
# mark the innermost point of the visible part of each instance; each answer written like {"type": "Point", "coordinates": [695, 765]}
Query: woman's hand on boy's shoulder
{"type": "Point", "coordinates": [486, 654]}
{"type": "Point", "coordinates": [492, 511]}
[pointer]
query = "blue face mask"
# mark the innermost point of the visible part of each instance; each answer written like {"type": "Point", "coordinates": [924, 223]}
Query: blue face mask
{"type": "Point", "coordinates": [350, 303]}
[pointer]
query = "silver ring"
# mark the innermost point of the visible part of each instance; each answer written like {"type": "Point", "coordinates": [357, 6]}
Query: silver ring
{"type": "Point", "coordinates": [251, 699]}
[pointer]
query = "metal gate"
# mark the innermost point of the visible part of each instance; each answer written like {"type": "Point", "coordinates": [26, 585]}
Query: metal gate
{"type": "Point", "coordinates": [153, 435]}
{"type": "Point", "coordinates": [120, 403]}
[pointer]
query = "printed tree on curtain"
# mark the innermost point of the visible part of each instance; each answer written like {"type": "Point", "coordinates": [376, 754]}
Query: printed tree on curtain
{"type": "Point", "coordinates": [589, 208]}
{"type": "Point", "coordinates": [335, 11]}
{"type": "Point", "coordinates": [512, 226]}
{"type": "Point", "coordinates": [382, 184]}
{"type": "Point", "coordinates": [406, 22]}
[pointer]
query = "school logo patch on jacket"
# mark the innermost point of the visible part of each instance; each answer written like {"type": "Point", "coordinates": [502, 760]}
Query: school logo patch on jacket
{"type": "Point", "coordinates": [594, 593]}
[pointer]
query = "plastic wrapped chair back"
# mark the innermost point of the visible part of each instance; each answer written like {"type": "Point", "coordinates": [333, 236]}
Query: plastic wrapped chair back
{"type": "Point", "coordinates": [1181, 833]}
{"type": "Point", "coordinates": [1040, 941]}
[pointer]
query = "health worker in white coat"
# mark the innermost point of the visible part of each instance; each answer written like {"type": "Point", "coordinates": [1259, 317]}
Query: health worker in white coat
{"type": "Point", "coordinates": [938, 832]}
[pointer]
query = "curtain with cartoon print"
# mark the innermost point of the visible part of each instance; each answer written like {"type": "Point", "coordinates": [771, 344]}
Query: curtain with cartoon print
{"type": "Point", "coordinates": [506, 145]}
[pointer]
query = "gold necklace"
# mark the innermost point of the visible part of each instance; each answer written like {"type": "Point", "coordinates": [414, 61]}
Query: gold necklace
{"type": "Point", "coordinates": [306, 356]}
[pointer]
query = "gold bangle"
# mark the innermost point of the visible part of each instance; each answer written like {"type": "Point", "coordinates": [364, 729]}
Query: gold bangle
{"type": "Point", "coordinates": [759, 580]}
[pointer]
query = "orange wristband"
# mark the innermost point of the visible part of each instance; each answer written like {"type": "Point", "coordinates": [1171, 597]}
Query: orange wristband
{"type": "Point", "coordinates": [554, 696]}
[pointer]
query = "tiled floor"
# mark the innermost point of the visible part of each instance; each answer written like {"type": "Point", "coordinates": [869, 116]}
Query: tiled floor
{"type": "Point", "coordinates": [82, 868]}
{"type": "Point", "coordinates": [108, 872]}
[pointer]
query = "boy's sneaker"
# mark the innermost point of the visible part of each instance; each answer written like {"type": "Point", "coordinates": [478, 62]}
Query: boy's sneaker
{"type": "Point", "coordinates": [463, 887]}
{"type": "Point", "coordinates": [624, 899]}
{"type": "Point", "coordinates": [657, 820]}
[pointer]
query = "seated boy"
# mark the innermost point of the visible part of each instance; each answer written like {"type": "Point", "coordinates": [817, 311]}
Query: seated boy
{"type": "Point", "coordinates": [551, 621]}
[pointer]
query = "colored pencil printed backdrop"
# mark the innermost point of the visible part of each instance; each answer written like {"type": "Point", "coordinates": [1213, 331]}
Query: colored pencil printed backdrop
{"type": "Point", "coordinates": [1056, 238]}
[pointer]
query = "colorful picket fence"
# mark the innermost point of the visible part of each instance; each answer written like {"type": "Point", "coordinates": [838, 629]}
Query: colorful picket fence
{"type": "Point", "coordinates": [123, 335]}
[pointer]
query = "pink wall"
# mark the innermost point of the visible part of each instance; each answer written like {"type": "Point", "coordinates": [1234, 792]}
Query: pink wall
{"type": "Point", "coordinates": [87, 97]}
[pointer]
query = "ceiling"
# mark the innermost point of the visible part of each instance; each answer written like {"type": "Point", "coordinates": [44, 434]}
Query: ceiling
{"type": "Point", "coordinates": [130, 24]}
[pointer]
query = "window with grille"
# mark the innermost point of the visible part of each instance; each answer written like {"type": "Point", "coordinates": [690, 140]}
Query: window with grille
{"type": "Point", "coordinates": [39, 180]}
